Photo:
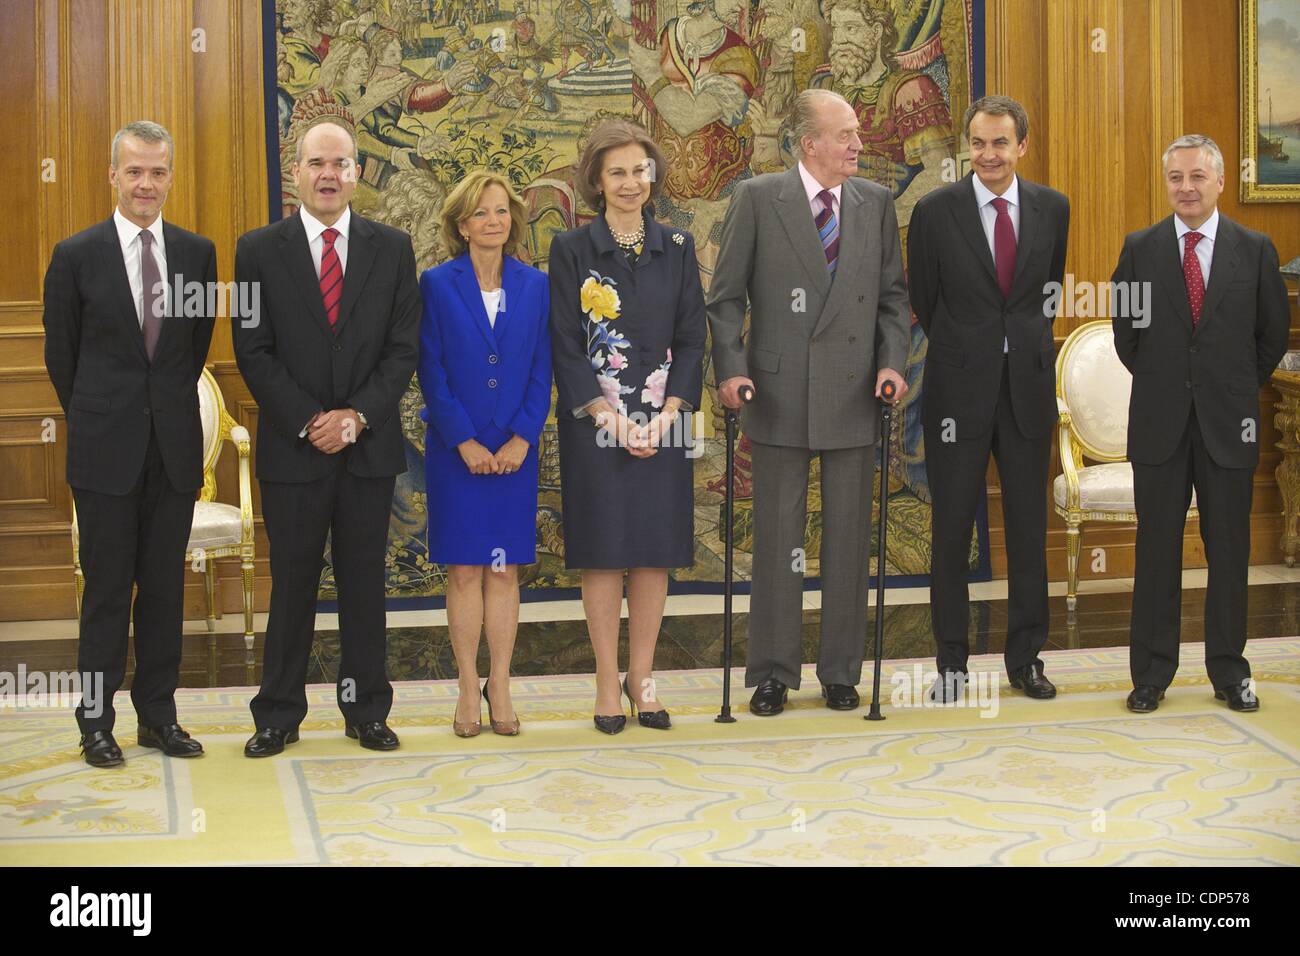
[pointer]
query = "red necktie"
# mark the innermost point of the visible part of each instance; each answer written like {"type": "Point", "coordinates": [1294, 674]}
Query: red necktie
{"type": "Point", "coordinates": [1004, 247]}
{"type": "Point", "coordinates": [331, 276]}
{"type": "Point", "coordinates": [1192, 275]}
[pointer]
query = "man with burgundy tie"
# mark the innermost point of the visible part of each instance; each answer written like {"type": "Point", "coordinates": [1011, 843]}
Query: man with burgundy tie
{"type": "Point", "coordinates": [814, 251]}
{"type": "Point", "coordinates": [1213, 334]}
{"type": "Point", "coordinates": [327, 359]}
{"type": "Point", "coordinates": [125, 358]}
{"type": "Point", "coordinates": [981, 254]}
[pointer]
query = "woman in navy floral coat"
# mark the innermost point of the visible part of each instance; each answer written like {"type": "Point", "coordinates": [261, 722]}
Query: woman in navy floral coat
{"type": "Point", "coordinates": [627, 338]}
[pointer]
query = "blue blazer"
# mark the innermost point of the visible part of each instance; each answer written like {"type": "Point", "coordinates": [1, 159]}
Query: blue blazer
{"type": "Point", "coordinates": [474, 375]}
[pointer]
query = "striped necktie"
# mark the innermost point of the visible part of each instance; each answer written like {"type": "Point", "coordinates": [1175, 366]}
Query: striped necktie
{"type": "Point", "coordinates": [331, 276]}
{"type": "Point", "coordinates": [828, 230]}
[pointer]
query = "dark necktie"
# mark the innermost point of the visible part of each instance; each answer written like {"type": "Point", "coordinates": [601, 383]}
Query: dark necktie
{"type": "Point", "coordinates": [1192, 276]}
{"type": "Point", "coordinates": [1004, 247]}
{"type": "Point", "coordinates": [152, 300]}
{"type": "Point", "coordinates": [331, 276]}
{"type": "Point", "coordinates": [828, 229]}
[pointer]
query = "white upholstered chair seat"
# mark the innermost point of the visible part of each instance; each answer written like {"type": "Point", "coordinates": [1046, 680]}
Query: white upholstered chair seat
{"type": "Point", "coordinates": [216, 525]}
{"type": "Point", "coordinates": [1105, 488]}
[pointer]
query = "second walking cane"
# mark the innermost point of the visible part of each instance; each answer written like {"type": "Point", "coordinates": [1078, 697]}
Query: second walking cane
{"type": "Point", "coordinates": [733, 420]}
{"type": "Point", "coordinates": [887, 392]}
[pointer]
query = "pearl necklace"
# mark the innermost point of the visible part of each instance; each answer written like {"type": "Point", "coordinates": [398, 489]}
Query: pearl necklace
{"type": "Point", "coordinates": [629, 240]}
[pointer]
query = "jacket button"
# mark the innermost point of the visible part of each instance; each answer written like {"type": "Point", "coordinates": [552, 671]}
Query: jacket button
{"type": "Point", "coordinates": [338, 348]}
{"type": "Point", "coordinates": [861, 297]}
{"type": "Point", "coordinates": [492, 383]}
{"type": "Point", "coordinates": [1187, 384]}
{"type": "Point", "coordinates": [852, 339]}
{"type": "Point", "coordinates": [492, 360]}
{"type": "Point", "coordinates": [1192, 350]}
{"type": "Point", "coordinates": [851, 376]}
{"type": "Point", "coordinates": [146, 411]}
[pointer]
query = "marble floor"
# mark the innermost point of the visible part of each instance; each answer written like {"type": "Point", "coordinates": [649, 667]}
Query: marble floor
{"type": "Point", "coordinates": [553, 638]}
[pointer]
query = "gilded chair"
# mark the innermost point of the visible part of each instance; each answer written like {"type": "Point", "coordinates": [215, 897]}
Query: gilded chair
{"type": "Point", "coordinates": [1092, 394]}
{"type": "Point", "coordinates": [219, 530]}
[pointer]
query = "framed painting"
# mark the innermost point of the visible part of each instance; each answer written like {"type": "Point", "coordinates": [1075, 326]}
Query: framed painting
{"type": "Point", "coordinates": [1270, 101]}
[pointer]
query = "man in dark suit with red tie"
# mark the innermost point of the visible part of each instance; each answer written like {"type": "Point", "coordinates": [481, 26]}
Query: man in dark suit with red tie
{"type": "Point", "coordinates": [1214, 329]}
{"type": "Point", "coordinates": [981, 255]}
{"type": "Point", "coordinates": [125, 358]}
{"type": "Point", "coordinates": [327, 359]}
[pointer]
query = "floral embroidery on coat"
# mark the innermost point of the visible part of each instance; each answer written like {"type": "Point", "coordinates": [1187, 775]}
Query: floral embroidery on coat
{"type": "Point", "coordinates": [656, 383]}
{"type": "Point", "coordinates": [600, 301]}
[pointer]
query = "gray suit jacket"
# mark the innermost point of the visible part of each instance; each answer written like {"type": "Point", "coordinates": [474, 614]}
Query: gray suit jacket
{"type": "Point", "coordinates": [814, 346]}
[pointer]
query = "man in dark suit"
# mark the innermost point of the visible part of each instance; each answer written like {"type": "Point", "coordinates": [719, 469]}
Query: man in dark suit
{"type": "Point", "coordinates": [327, 359]}
{"type": "Point", "coordinates": [981, 253]}
{"type": "Point", "coordinates": [1213, 332]}
{"type": "Point", "coordinates": [125, 361]}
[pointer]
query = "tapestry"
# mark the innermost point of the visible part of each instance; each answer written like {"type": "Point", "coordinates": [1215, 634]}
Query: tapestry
{"type": "Point", "coordinates": [435, 88]}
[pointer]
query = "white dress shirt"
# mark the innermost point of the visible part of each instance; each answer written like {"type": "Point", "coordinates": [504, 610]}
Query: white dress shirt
{"type": "Point", "coordinates": [989, 217]}
{"type": "Point", "coordinates": [316, 243]}
{"type": "Point", "coordinates": [1204, 248]}
{"type": "Point", "coordinates": [812, 187]}
{"type": "Point", "coordinates": [128, 234]}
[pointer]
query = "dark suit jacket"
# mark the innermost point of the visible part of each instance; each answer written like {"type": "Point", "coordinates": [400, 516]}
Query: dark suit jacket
{"type": "Point", "coordinates": [957, 300]}
{"type": "Point", "coordinates": [296, 365]}
{"type": "Point", "coordinates": [1219, 368]}
{"type": "Point", "coordinates": [112, 395]}
{"type": "Point", "coordinates": [474, 374]}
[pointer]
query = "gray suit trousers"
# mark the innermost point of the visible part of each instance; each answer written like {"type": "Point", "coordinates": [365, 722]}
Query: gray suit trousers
{"type": "Point", "coordinates": [776, 605]}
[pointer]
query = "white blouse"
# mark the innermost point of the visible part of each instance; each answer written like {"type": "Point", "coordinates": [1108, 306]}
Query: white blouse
{"type": "Point", "coordinates": [491, 301]}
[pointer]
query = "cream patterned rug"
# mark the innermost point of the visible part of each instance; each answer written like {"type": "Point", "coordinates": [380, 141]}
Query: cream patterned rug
{"type": "Point", "coordinates": [1006, 781]}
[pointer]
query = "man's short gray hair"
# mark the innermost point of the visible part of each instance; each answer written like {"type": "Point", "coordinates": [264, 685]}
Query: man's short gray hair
{"type": "Point", "coordinates": [1196, 141]}
{"type": "Point", "coordinates": [804, 118]}
{"type": "Point", "coordinates": [147, 132]}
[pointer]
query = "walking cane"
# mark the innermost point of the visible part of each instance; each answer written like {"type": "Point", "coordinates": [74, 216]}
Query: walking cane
{"type": "Point", "coordinates": [733, 420]}
{"type": "Point", "coordinates": [887, 392]}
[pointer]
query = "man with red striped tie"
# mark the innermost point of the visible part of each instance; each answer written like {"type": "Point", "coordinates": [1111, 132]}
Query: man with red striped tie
{"type": "Point", "coordinates": [1215, 328]}
{"type": "Point", "coordinates": [327, 356]}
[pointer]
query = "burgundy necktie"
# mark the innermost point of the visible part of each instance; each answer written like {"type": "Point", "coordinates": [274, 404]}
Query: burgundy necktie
{"type": "Point", "coordinates": [331, 276]}
{"type": "Point", "coordinates": [1192, 276]}
{"type": "Point", "coordinates": [1004, 247]}
{"type": "Point", "coordinates": [151, 301]}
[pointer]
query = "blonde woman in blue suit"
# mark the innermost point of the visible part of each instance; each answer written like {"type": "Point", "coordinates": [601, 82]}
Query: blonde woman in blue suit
{"type": "Point", "coordinates": [485, 370]}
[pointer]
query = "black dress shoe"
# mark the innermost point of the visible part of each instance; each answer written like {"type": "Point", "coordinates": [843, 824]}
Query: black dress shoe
{"type": "Point", "coordinates": [654, 719]}
{"type": "Point", "coordinates": [840, 696]}
{"type": "Point", "coordinates": [1145, 698]}
{"type": "Point", "coordinates": [1239, 696]}
{"type": "Point", "coordinates": [1030, 679]}
{"type": "Point", "coordinates": [269, 741]}
{"type": "Point", "coordinates": [374, 735]}
{"type": "Point", "coordinates": [769, 698]}
{"type": "Point", "coordinates": [100, 749]}
{"type": "Point", "coordinates": [949, 687]}
{"type": "Point", "coordinates": [171, 740]}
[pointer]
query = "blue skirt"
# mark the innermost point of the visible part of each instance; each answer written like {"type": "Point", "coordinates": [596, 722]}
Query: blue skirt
{"type": "Point", "coordinates": [480, 519]}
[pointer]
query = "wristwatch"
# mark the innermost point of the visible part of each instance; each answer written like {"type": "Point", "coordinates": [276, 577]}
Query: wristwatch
{"type": "Point", "coordinates": [362, 419]}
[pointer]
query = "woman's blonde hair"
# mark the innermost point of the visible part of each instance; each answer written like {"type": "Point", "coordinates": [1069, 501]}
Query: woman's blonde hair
{"type": "Point", "coordinates": [464, 199]}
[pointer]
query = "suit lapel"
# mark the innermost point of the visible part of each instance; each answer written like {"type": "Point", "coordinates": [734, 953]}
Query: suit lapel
{"type": "Point", "coordinates": [1169, 269]}
{"type": "Point", "coordinates": [966, 212]}
{"type": "Point", "coordinates": [853, 247]}
{"type": "Point", "coordinates": [511, 281]}
{"type": "Point", "coordinates": [297, 258]}
{"type": "Point", "coordinates": [467, 286]}
{"type": "Point", "coordinates": [797, 219]}
{"type": "Point", "coordinates": [121, 287]}
{"type": "Point", "coordinates": [1223, 267]}
{"type": "Point", "coordinates": [361, 256]}
{"type": "Point", "coordinates": [1030, 215]}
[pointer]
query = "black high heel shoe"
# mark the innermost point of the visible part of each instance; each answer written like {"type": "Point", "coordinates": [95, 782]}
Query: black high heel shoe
{"type": "Point", "coordinates": [655, 719]}
{"type": "Point", "coordinates": [610, 723]}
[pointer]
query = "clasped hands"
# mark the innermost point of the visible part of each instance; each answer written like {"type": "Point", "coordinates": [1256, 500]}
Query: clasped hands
{"type": "Point", "coordinates": [640, 441]}
{"type": "Point", "coordinates": [480, 461]}
{"type": "Point", "coordinates": [333, 431]}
